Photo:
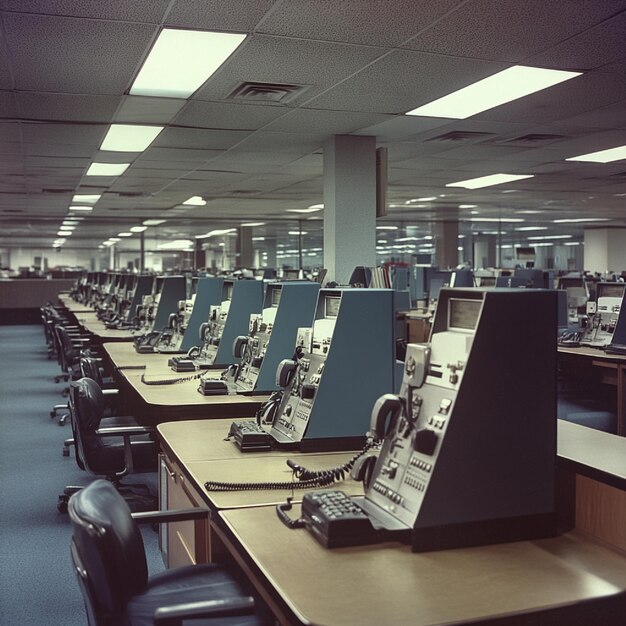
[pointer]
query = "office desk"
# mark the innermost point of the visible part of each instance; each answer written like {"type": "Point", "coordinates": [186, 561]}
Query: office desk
{"type": "Point", "coordinates": [72, 306]}
{"type": "Point", "coordinates": [387, 584]}
{"type": "Point", "coordinates": [124, 356]}
{"type": "Point", "coordinates": [92, 324]}
{"type": "Point", "coordinates": [606, 368]}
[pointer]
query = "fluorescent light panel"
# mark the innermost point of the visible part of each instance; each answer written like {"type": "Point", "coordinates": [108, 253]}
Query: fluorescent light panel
{"type": "Point", "coordinates": [129, 137]}
{"type": "Point", "coordinates": [311, 209]}
{"type": "Point", "coordinates": [497, 219]}
{"type": "Point", "coordinates": [153, 222]}
{"type": "Point", "coordinates": [182, 60]}
{"type": "Point", "coordinates": [138, 229]}
{"type": "Point", "coordinates": [540, 238]}
{"type": "Point", "coordinates": [251, 224]}
{"type": "Point", "coordinates": [297, 232]}
{"type": "Point", "coordinates": [195, 201]}
{"type": "Point", "coordinates": [505, 86]}
{"type": "Point", "coordinates": [602, 156]}
{"type": "Point", "coordinates": [177, 244]}
{"type": "Point", "coordinates": [80, 208]}
{"type": "Point", "coordinates": [582, 219]}
{"type": "Point", "coordinates": [124, 234]}
{"type": "Point", "coordinates": [529, 228]}
{"type": "Point", "coordinates": [87, 198]}
{"type": "Point", "coordinates": [106, 169]}
{"type": "Point", "coordinates": [488, 181]}
{"type": "Point", "coordinates": [386, 228]}
{"type": "Point", "coordinates": [216, 233]}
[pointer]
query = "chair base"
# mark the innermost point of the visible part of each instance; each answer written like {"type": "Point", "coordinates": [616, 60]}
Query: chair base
{"type": "Point", "coordinates": [137, 496]}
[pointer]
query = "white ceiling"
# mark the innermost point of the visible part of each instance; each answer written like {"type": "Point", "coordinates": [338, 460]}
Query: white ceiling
{"type": "Point", "coordinates": [66, 67]}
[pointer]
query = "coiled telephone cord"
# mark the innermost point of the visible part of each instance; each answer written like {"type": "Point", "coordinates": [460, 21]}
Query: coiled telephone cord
{"type": "Point", "coordinates": [306, 478]}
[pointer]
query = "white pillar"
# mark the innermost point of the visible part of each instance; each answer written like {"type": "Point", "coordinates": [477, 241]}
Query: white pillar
{"type": "Point", "coordinates": [349, 205]}
{"type": "Point", "coordinates": [484, 251]}
{"type": "Point", "coordinates": [605, 249]}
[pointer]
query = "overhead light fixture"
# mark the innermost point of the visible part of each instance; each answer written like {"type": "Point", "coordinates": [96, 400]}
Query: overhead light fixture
{"type": "Point", "coordinates": [258, 238]}
{"type": "Point", "coordinates": [129, 137]}
{"type": "Point", "coordinates": [195, 201]}
{"type": "Point", "coordinates": [602, 156]}
{"type": "Point", "coordinates": [182, 60]}
{"type": "Point", "coordinates": [217, 233]}
{"type": "Point", "coordinates": [251, 224]}
{"type": "Point", "coordinates": [467, 206]}
{"type": "Point", "coordinates": [124, 234]}
{"type": "Point", "coordinates": [71, 222]}
{"type": "Point", "coordinates": [177, 244]}
{"type": "Point", "coordinates": [87, 198]}
{"type": "Point", "coordinates": [80, 208]}
{"type": "Point", "coordinates": [496, 219]}
{"type": "Point", "coordinates": [153, 222]}
{"type": "Point", "coordinates": [68, 228]}
{"type": "Point", "coordinates": [529, 212]}
{"type": "Point", "coordinates": [427, 199]}
{"type": "Point", "coordinates": [542, 237]}
{"type": "Point", "coordinates": [298, 232]}
{"type": "Point", "coordinates": [571, 243]}
{"type": "Point", "coordinates": [488, 181]}
{"type": "Point", "coordinates": [312, 209]}
{"type": "Point", "coordinates": [107, 243]}
{"type": "Point", "coordinates": [138, 229]}
{"type": "Point", "coordinates": [474, 212]}
{"type": "Point", "coordinates": [577, 220]}
{"type": "Point", "coordinates": [529, 228]}
{"type": "Point", "coordinates": [107, 169]}
{"type": "Point", "coordinates": [505, 86]}
{"type": "Point", "coordinates": [386, 228]}
{"type": "Point", "coordinates": [114, 239]}
{"type": "Point", "coordinates": [63, 233]}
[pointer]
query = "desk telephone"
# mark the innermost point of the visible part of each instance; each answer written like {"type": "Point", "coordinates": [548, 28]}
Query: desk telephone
{"type": "Point", "coordinates": [469, 444]}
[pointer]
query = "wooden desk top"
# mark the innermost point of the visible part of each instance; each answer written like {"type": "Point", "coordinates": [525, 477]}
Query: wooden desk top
{"type": "Point", "coordinates": [270, 468]}
{"type": "Point", "coordinates": [124, 355]}
{"type": "Point", "coordinates": [593, 453]}
{"type": "Point", "coordinates": [387, 584]}
{"type": "Point", "coordinates": [591, 352]}
{"type": "Point", "coordinates": [91, 323]}
{"type": "Point", "coordinates": [73, 306]}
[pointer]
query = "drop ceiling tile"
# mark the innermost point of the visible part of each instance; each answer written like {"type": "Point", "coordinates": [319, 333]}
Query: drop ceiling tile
{"type": "Point", "coordinates": [51, 149]}
{"type": "Point", "coordinates": [291, 143]}
{"type": "Point", "coordinates": [56, 162]}
{"type": "Point", "coordinates": [227, 115]}
{"type": "Point", "coordinates": [240, 16]}
{"type": "Point", "coordinates": [277, 60]}
{"type": "Point", "coordinates": [199, 138]}
{"type": "Point", "coordinates": [11, 148]}
{"type": "Point", "coordinates": [148, 110]}
{"type": "Point", "coordinates": [611, 116]}
{"type": "Point", "coordinates": [367, 22]}
{"type": "Point", "coordinates": [139, 170]}
{"type": "Point", "coordinates": [67, 107]}
{"type": "Point", "coordinates": [10, 132]}
{"type": "Point", "coordinates": [511, 31]}
{"type": "Point", "coordinates": [174, 155]}
{"type": "Point", "coordinates": [325, 122]}
{"type": "Point", "coordinates": [138, 10]}
{"type": "Point", "coordinates": [593, 48]}
{"type": "Point", "coordinates": [404, 80]}
{"type": "Point", "coordinates": [7, 104]}
{"type": "Point", "coordinates": [75, 134]}
{"type": "Point", "coordinates": [61, 54]}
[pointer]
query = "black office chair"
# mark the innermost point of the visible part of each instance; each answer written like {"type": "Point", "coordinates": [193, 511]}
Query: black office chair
{"type": "Point", "coordinates": [110, 563]}
{"type": "Point", "coordinates": [112, 452]}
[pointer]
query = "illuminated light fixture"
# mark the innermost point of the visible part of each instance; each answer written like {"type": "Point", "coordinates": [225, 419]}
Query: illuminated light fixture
{"type": "Point", "coordinates": [461, 237]}
{"type": "Point", "coordinates": [577, 220]}
{"type": "Point", "coordinates": [428, 199]}
{"type": "Point", "coordinates": [195, 201]}
{"type": "Point", "coordinates": [251, 224]}
{"type": "Point", "coordinates": [124, 234]}
{"type": "Point", "coordinates": [87, 198]}
{"type": "Point", "coordinates": [505, 86]}
{"type": "Point", "coordinates": [546, 243]}
{"type": "Point", "coordinates": [529, 211]}
{"type": "Point", "coordinates": [571, 243]}
{"type": "Point", "coordinates": [114, 239]}
{"type": "Point", "coordinates": [602, 156]}
{"type": "Point", "coordinates": [217, 233]}
{"type": "Point", "coordinates": [138, 229]}
{"type": "Point", "coordinates": [506, 245]}
{"type": "Point", "coordinates": [63, 233]}
{"type": "Point", "coordinates": [468, 206]}
{"type": "Point", "coordinates": [153, 222]}
{"type": "Point", "coordinates": [383, 241]}
{"type": "Point", "coordinates": [298, 232]}
{"type": "Point", "coordinates": [80, 208]}
{"type": "Point", "coordinates": [129, 137]}
{"type": "Point", "coordinates": [107, 243]}
{"type": "Point", "coordinates": [529, 228]}
{"type": "Point", "coordinates": [496, 219]}
{"type": "Point", "coordinates": [539, 238]}
{"type": "Point", "coordinates": [182, 60]}
{"type": "Point", "coordinates": [488, 181]}
{"type": "Point", "coordinates": [312, 209]}
{"type": "Point", "coordinates": [70, 222]}
{"type": "Point", "coordinates": [386, 228]}
{"type": "Point", "coordinates": [64, 227]}
{"type": "Point", "coordinates": [258, 238]}
{"type": "Point", "coordinates": [177, 244]}
{"type": "Point", "coordinates": [107, 169]}
{"type": "Point", "coordinates": [100, 246]}
{"type": "Point", "coordinates": [474, 212]}
{"type": "Point", "coordinates": [459, 248]}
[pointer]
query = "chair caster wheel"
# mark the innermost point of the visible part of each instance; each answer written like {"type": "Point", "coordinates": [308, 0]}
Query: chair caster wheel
{"type": "Point", "coordinates": [62, 420]}
{"type": "Point", "coordinates": [62, 505]}
{"type": "Point", "coordinates": [66, 451]}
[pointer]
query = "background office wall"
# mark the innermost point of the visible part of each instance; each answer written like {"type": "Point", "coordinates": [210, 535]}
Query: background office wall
{"type": "Point", "coordinates": [20, 299]}
{"type": "Point", "coordinates": [605, 249]}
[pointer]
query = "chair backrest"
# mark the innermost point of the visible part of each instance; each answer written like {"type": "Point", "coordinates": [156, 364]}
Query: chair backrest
{"type": "Point", "coordinates": [89, 368]}
{"type": "Point", "coordinates": [86, 404]}
{"type": "Point", "coordinates": [107, 550]}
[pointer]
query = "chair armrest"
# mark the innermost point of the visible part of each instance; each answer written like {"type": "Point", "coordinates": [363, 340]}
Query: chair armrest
{"type": "Point", "coordinates": [124, 431]}
{"type": "Point", "coordinates": [110, 392]}
{"type": "Point", "coordinates": [175, 614]}
{"type": "Point", "coordinates": [175, 515]}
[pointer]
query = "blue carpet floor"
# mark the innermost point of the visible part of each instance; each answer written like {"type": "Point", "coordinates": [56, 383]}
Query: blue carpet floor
{"type": "Point", "coordinates": [37, 582]}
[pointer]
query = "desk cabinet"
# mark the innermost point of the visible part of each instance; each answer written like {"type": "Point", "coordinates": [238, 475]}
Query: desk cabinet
{"type": "Point", "coordinates": [182, 543]}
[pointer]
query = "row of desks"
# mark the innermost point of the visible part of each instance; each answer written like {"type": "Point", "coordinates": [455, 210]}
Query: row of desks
{"type": "Point", "coordinates": [557, 580]}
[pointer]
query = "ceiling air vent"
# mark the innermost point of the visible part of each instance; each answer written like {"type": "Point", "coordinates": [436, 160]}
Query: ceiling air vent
{"type": "Point", "coordinates": [532, 140]}
{"type": "Point", "coordinates": [462, 136]}
{"type": "Point", "coordinates": [266, 92]}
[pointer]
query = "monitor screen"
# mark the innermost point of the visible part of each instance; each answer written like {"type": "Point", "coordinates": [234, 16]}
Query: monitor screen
{"type": "Point", "coordinates": [276, 291]}
{"type": "Point", "coordinates": [568, 282]}
{"type": "Point", "coordinates": [463, 314]}
{"type": "Point", "coordinates": [610, 290]}
{"type": "Point", "coordinates": [331, 306]}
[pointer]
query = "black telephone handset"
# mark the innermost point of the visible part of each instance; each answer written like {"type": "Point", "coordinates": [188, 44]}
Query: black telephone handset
{"type": "Point", "coordinates": [385, 415]}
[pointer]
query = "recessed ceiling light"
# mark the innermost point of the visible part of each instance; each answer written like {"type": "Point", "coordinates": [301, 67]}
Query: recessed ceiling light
{"type": "Point", "coordinates": [107, 243]}
{"type": "Point", "coordinates": [129, 137]}
{"type": "Point", "coordinates": [177, 244]}
{"type": "Point", "coordinates": [124, 234]}
{"type": "Point", "coordinates": [70, 228]}
{"type": "Point", "coordinates": [182, 60]}
{"type": "Point", "coordinates": [474, 212]}
{"type": "Point", "coordinates": [195, 201]}
{"type": "Point", "coordinates": [386, 228]}
{"type": "Point", "coordinates": [216, 233]}
{"type": "Point", "coordinates": [467, 206]}
{"type": "Point", "coordinates": [427, 199]}
{"type": "Point", "coordinates": [488, 181]}
{"type": "Point", "coordinates": [298, 232]}
{"type": "Point", "coordinates": [114, 239]}
{"type": "Point", "coordinates": [496, 219]}
{"type": "Point", "coordinates": [138, 229]}
{"type": "Point", "coordinates": [312, 209]}
{"type": "Point", "coordinates": [529, 228]}
{"type": "Point", "coordinates": [70, 223]}
{"type": "Point", "coordinates": [63, 233]}
{"type": "Point", "coordinates": [602, 156]}
{"type": "Point", "coordinates": [582, 219]}
{"type": "Point", "coordinates": [153, 222]}
{"type": "Point", "coordinates": [106, 169]}
{"type": "Point", "coordinates": [540, 238]}
{"type": "Point", "coordinates": [87, 198]}
{"type": "Point", "coordinates": [571, 243]}
{"type": "Point", "coordinates": [505, 86]}
{"type": "Point", "coordinates": [251, 224]}
{"type": "Point", "coordinates": [258, 238]}
{"type": "Point", "coordinates": [80, 208]}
